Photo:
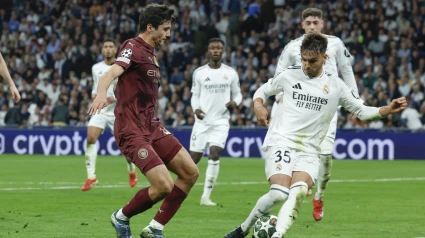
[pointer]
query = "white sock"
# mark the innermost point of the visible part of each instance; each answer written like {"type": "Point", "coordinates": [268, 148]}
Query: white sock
{"type": "Point", "coordinates": [211, 177]}
{"type": "Point", "coordinates": [91, 154]}
{"type": "Point", "coordinates": [265, 204]}
{"type": "Point", "coordinates": [131, 167]}
{"type": "Point", "coordinates": [121, 215]}
{"type": "Point", "coordinates": [290, 210]}
{"type": "Point", "coordinates": [324, 175]}
{"type": "Point", "coordinates": [156, 225]}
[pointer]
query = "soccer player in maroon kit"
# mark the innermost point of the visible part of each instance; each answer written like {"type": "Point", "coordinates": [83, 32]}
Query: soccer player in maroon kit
{"type": "Point", "coordinates": [139, 135]}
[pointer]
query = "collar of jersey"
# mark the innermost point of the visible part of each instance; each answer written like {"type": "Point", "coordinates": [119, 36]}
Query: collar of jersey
{"type": "Point", "coordinates": [148, 47]}
{"type": "Point", "coordinates": [323, 72]}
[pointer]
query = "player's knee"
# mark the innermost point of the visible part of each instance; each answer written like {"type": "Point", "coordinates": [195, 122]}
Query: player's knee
{"type": "Point", "coordinates": [298, 190]}
{"type": "Point", "coordinates": [191, 176]}
{"type": "Point", "coordinates": [278, 193]}
{"type": "Point", "coordinates": [161, 190]}
{"type": "Point", "coordinates": [215, 154]}
{"type": "Point", "coordinates": [91, 139]}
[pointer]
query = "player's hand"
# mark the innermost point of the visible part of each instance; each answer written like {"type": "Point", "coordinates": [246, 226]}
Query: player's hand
{"type": "Point", "coordinates": [231, 104]}
{"type": "Point", "coordinates": [261, 113]}
{"type": "Point", "coordinates": [98, 104]}
{"type": "Point", "coordinates": [199, 114]}
{"type": "Point", "coordinates": [111, 100]}
{"type": "Point", "coordinates": [15, 93]}
{"type": "Point", "coordinates": [93, 96]}
{"type": "Point", "coordinates": [398, 104]}
{"type": "Point", "coordinates": [279, 97]}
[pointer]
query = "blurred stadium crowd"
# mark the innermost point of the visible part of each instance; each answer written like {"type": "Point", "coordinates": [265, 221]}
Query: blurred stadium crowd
{"type": "Point", "coordinates": [50, 47]}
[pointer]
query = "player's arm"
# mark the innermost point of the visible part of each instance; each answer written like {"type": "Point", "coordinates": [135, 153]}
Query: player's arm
{"type": "Point", "coordinates": [344, 63]}
{"type": "Point", "coordinates": [95, 82]}
{"type": "Point", "coordinates": [285, 60]}
{"type": "Point", "coordinates": [236, 93]}
{"type": "Point", "coordinates": [4, 73]}
{"type": "Point", "coordinates": [351, 101]}
{"type": "Point", "coordinates": [272, 87]}
{"type": "Point", "coordinates": [101, 99]}
{"type": "Point", "coordinates": [195, 100]}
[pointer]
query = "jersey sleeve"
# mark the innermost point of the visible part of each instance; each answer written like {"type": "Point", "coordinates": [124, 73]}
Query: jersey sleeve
{"type": "Point", "coordinates": [95, 80]}
{"type": "Point", "coordinates": [126, 54]}
{"type": "Point", "coordinates": [236, 89]}
{"type": "Point", "coordinates": [272, 87]}
{"type": "Point", "coordinates": [351, 101]}
{"type": "Point", "coordinates": [344, 63]}
{"type": "Point", "coordinates": [285, 59]}
{"type": "Point", "coordinates": [196, 91]}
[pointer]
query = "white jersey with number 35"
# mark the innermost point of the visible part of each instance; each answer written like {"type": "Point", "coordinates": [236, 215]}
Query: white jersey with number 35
{"type": "Point", "coordinates": [308, 107]}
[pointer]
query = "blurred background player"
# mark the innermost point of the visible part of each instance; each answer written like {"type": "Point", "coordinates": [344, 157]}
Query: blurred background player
{"type": "Point", "coordinates": [4, 73]}
{"type": "Point", "coordinates": [106, 117]}
{"type": "Point", "coordinates": [215, 90]}
{"type": "Point", "coordinates": [139, 134]}
{"type": "Point", "coordinates": [311, 98]}
{"type": "Point", "coordinates": [312, 22]}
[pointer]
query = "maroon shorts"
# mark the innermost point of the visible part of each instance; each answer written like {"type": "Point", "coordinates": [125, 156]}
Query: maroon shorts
{"type": "Point", "coordinates": [149, 151]}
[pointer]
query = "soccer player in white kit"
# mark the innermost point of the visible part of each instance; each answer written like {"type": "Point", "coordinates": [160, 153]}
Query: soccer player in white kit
{"type": "Point", "coordinates": [337, 55]}
{"type": "Point", "coordinates": [311, 97]}
{"type": "Point", "coordinates": [215, 90]}
{"type": "Point", "coordinates": [106, 117]}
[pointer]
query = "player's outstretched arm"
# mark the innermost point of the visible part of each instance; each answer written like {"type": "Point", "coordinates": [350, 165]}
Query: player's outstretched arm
{"type": "Point", "coordinates": [272, 87]}
{"type": "Point", "coordinates": [260, 111]}
{"type": "Point", "coordinates": [4, 73]}
{"type": "Point", "coordinates": [101, 100]}
{"type": "Point", "coordinates": [395, 106]}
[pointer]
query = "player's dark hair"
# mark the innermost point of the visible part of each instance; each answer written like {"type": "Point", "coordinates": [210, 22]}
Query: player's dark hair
{"type": "Point", "coordinates": [216, 39]}
{"type": "Point", "coordinates": [109, 40]}
{"type": "Point", "coordinates": [314, 42]}
{"type": "Point", "coordinates": [312, 12]}
{"type": "Point", "coordinates": [156, 15]}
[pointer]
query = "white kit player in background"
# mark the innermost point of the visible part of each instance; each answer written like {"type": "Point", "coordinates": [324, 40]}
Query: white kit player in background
{"type": "Point", "coordinates": [215, 90]}
{"type": "Point", "coordinates": [310, 98]}
{"type": "Point", "coordinates": [106, 117]}
{"type": "Point", "coordinates": [337, 55]}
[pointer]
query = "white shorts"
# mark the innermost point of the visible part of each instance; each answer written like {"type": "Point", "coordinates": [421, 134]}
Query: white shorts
{"type": "Point", "coordinates": [282, 160]}
{"type": "Point", "coordinates": [204, 136]}
{"type": "Point", "coordinates": [101, 121]}
{"type": "Point", "coordinates": [327, 145]}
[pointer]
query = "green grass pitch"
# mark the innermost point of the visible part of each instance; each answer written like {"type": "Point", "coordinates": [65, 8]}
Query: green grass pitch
{"type": "Point", "coordinates": [40, 196]}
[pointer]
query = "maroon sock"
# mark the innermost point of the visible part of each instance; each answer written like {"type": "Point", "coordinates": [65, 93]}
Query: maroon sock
{"type": "Point", "coordinates": [170, 205]}
{"type": "Point", "coordinates": [140, 203]}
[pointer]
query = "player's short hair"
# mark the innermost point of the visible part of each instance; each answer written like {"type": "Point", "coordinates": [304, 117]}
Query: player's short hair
{"type": "Point", "coordinates": [314, 42]}
{"type": "Point", "coordinates": [109, 40]}
{"type": "Point", "coordinates": [312, 12]}
{"type": "Point", "coordinates": [156, 15]}
{"type": "Point", "coordinates": [216, 39]}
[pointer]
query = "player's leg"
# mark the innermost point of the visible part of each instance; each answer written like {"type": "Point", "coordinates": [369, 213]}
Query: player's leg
{"type": "Point", "coordinates": [178, 161]}
{"type": "Point", "coordinates": [305, 169]}
{"type": "Point", "coordinates": [217, 136]}
{"type": "Point", "coordinates": [94, 129]}
{"type": "Point", "coordinates": [151, 165]}
{"type": "Point", "coordinates": [131, 167]}
{"type": "Point", "coordinates": [278, 171]}
{"type": "Point", "coordinates": [325, 169]}
{"type": "Point", "coordinates": [198, 142]}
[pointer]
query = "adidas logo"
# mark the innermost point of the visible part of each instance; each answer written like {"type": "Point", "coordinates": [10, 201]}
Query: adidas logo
{"type": "Point", "coordinates": [297, 86]}
{"type": "Point", "coordinates": [207, 79]}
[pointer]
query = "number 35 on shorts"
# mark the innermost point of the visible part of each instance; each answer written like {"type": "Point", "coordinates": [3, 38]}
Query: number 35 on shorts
{"type": "Point", "coordinates": [279, 160]}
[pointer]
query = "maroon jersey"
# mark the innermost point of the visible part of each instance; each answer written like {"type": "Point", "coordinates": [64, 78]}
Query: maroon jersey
{"type": "Point", "coordinates": [137, 87]}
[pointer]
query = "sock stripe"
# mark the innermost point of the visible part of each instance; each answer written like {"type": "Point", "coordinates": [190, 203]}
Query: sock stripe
{"type": "Point", "coordinates": [280, 190]}
{"type": "Point", "coordinates": [300, 185]}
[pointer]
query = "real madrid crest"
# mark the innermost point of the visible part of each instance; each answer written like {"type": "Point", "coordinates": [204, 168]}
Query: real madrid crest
{"type": "Point", "coordinates": [325, 89]}
{"type": "Point", "coordinates": [142, 153]}
{"type": "Point", "coordinates": [278, 167]}
{"type": "Point", "coordinates": [225, 76]}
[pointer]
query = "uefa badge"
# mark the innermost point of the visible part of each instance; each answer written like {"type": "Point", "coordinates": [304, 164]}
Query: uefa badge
{"type": "Point", "coordinates": [142, 153]}
{"type": "Point", "coordinates": [325, 89]}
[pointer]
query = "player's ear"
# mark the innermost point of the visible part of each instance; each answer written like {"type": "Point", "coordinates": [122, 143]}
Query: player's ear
{"type": "Point", "coordinates": [325, 56]}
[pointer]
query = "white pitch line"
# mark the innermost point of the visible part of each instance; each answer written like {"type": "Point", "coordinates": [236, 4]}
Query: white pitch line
{"type": "Point", "coordinates": [125, 185]}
